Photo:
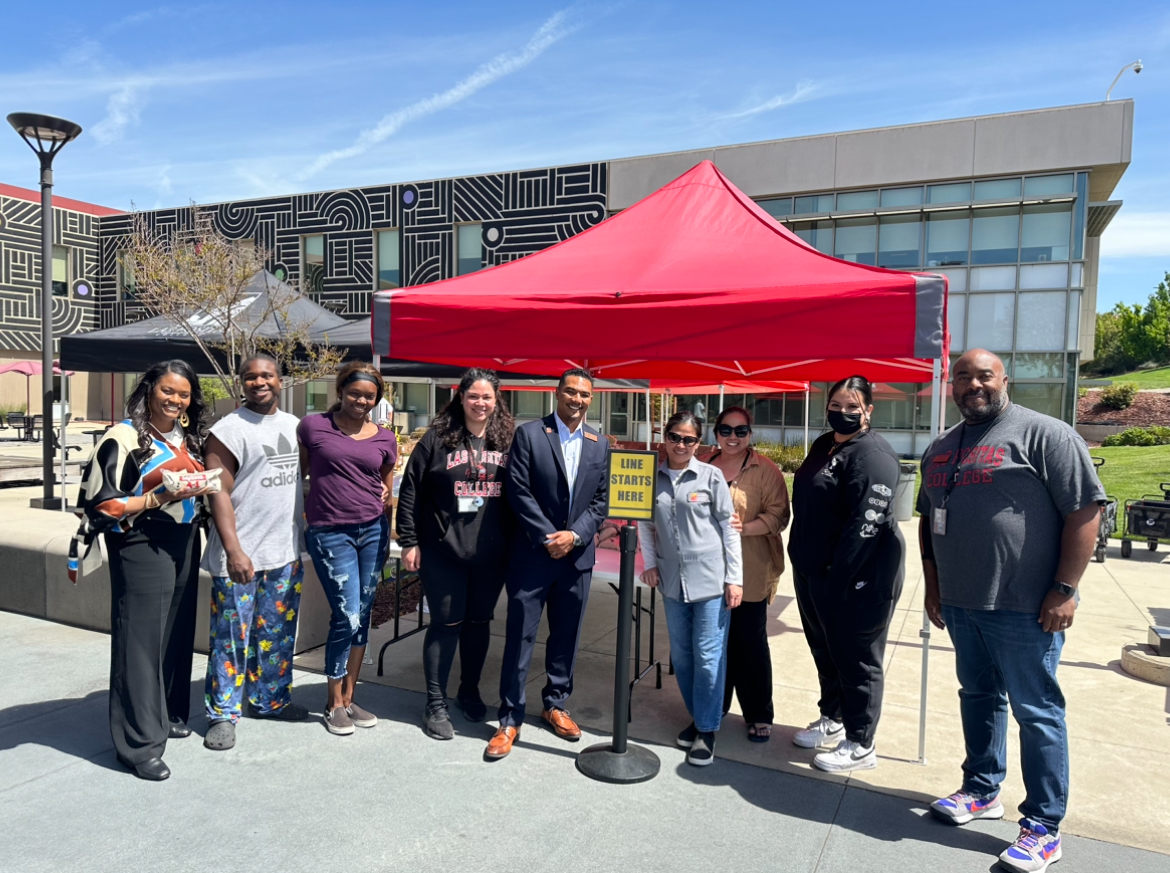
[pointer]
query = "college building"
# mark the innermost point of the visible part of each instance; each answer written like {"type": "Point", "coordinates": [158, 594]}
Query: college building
{"type": "Point", "coordinates": [1010, 207]}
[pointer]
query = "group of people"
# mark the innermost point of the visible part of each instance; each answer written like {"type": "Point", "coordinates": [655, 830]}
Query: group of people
{"type": "Point", "coordinates": [486, 506]}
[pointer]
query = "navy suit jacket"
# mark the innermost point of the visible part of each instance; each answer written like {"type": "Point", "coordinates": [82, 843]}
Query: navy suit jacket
{"type": "Point", "coordinates": [538, 492]}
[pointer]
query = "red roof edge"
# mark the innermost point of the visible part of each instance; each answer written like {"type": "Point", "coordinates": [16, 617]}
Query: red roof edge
{"type": "Point", "coordinates": [59, 202]}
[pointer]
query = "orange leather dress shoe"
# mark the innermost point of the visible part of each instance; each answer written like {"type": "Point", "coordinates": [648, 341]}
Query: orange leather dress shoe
{"type": "Point", "coordinates": [501, 742]}
{"type": "Point", "coordinates": [563, 726]}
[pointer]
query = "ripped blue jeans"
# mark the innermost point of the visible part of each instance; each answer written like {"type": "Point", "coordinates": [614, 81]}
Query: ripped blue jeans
{"type": "Point", "coordinates": [349, 560]}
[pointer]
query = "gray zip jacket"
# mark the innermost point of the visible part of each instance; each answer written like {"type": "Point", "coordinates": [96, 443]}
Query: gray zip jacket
{"type": "Point", "coordinates": [691, 541]}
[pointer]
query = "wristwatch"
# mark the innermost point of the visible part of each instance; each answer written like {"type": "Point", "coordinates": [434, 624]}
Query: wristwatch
{"type": "Point", "coordinates": [577, 541]}
{"type": "Point", "coordinates": [1064, 588]}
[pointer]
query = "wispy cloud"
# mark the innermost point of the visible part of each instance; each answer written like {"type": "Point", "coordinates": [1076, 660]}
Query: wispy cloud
{"type": "Point", "coordinates": [803, 89]}
{"type": "Point", "coordinates": [552, 31]}
{"type": "Point", "coordinates": [1137, 234]}
{"type": "Point", "coordinates": [121, 112]}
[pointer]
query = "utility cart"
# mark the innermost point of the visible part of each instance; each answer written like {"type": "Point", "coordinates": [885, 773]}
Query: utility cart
{"type": "Point", "coordinates": [1106, 522]}
{"type": "Point", "coordinates": [1147, 518]}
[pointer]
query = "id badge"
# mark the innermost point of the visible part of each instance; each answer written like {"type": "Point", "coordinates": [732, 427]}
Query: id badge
{"type": "Point", "coordinates": [470, 504]}
{"type": "Point", "coordinates": [938, 522]}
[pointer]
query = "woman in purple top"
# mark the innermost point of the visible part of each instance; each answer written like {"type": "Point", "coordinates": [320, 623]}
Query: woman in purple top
{"type": "Point", "coordinates": [350, 462]}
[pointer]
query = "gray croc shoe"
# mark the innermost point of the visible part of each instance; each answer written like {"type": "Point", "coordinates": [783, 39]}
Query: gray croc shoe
{"type": "Point", "coordinates": [221, 736]}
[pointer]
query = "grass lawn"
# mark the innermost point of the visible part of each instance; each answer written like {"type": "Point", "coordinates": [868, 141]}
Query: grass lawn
{"type": "Point", "coordinates": [1133, 471]}
{"type": "Point", "coordinates": [1146, 378]}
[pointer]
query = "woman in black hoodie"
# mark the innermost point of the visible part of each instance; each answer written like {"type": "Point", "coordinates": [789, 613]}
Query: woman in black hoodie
{"type": "Point", "coordinates": [453, 527]}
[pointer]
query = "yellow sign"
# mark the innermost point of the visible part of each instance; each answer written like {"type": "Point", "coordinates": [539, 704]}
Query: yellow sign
{"type": "Point", "coordinates": [631, 484]}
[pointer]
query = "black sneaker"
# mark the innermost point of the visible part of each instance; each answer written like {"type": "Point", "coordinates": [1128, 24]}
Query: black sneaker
{"type": "Point", "coordinates": [702, 750]}
{"type": "Point", "coordinates": [474, 709]}
{"type": "Point", "coordinates": [437, 721]}
{"type": "Point", "coordinates": [686, 739]}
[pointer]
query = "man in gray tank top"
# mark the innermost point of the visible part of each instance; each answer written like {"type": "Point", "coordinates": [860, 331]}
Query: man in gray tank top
{"type": "Point", "coordinates": [254, 557]}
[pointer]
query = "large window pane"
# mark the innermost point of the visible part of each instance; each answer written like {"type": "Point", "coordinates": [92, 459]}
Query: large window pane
{"type": "Point", "coordinates": [857, 240]}
{"type": "Point", "coordinates": [893, 405]}
{"type": "Point", "coordinates": [1039, 365]}
{"type": "Point", "coordinates": [470, 245]}
{"type": "Point", "coordinates": [818, 234]}
{"type": "Point", "coordinates": [993, 278]}
{"type": "Point", "coordinates": [857, 200]}
{"type": "Point", "coordinates": [127, 285]}
{"type": "Point", "coordinates": [313, 262]}
{"type": "Point", "coordinates": [995, 236]}
{"type": "Point", "coordinates": [946, 238]}
{"type": "Point", "coordinates": [1074, 320]}
{"type": "Point", "coordinates": [1044, 276]}
{"type": "Point", "coordinates": [1080, 209]}
{"type": "Point", "coordinates": [527, 404]}
{"type": "Point", "coordinates": [777, 208]}
{"type": "Point", "coordinates": [997, 189]}
{"type": "Point", "coordinates": [768, 411]}
{"type": "Point", "coordinates": [317, 396]}
{"type": "Point", "coordinates": [959, 192]}
{"type": "Point", "coordinates": [619, 413]}
{"type": "Point", "coordinates": [389, 252]}
{"type": "Point", "coordinates": [60, 277]}
{"type": "Point", "coordinates": [901, 196]}
{"type": "Point", "coordinates": [990, 319]}
{"type": "Point", "coordinates": [1042, 398]}
{"type": "Point", "coordinates": [793, 410]}
{"type": "Point", "coordinates": [1042, 320]}
{"type": "Point", "coordinates": [813, 203]}
{"type": "Point", "coordinates": [417, 397]}
{"type": "Point", "coordinates": [956, 280]}
{"type": "Point", "coordinates": [1046, 232]}
{"type": "Point", "coordinates": [900, 241]}
{"type": "Point", "coordinates": [957, 321]}
{"type": "Point", "coordinates": [1041, 185]}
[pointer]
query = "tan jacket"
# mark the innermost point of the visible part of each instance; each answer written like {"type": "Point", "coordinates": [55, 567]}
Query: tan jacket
{"type": "Point", "coordinates": [759, 491]}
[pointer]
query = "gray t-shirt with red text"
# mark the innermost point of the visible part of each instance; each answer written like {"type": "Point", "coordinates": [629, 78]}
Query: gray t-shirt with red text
{"type": "Point", "coordinates": [1019, 475]}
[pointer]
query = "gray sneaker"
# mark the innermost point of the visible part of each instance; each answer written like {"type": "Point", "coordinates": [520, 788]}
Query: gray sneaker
{"type": "Point", "coordinates": [221, 736]}
{"type": "Point", "coordinates": [361, 717]}
{"type": "Point", "coordinates": [337, 721]}
{"type": "Point", "coordinates": [437, 721]}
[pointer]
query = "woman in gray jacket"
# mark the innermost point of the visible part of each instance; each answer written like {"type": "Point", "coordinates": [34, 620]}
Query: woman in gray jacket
{"type": "Point", "coordinates": [693, 552]}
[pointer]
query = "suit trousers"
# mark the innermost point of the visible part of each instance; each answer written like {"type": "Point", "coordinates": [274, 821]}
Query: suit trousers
{"type": "Point", "coordinates": [565, 591]}
{"type": "Point", "coordinates": [154, 586]}
{"type": "Point", "coordinates": [848, 644]}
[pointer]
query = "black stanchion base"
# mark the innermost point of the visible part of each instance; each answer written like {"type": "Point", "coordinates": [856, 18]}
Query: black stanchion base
{"type": "Point", "coordinates": [601, 762]}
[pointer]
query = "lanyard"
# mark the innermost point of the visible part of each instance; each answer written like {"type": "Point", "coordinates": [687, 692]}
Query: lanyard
{"type": "Point", "coordinates": [953, 479]}
{"type": "Point", "coordinates": [475, 468]}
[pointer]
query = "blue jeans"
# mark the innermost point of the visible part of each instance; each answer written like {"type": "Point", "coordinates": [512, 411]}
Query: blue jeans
{"type": "Point", "coordinates": [349, 560]}
{"type": "Point", "coordinates": [1004, 657]}
{"type": "Point", "coordinates": [698, 648]}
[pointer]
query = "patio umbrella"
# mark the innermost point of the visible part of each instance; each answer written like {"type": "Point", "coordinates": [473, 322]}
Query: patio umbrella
{"type": "Point", "coordinates": [28, 369]}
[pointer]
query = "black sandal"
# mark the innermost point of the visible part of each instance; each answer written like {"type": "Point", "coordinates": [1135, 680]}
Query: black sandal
{"type": "Point", "coordinates": [755, 735]}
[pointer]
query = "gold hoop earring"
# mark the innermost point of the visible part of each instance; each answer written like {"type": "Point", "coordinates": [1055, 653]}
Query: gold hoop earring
{"type": "Point", "coordinates": [184, 421]}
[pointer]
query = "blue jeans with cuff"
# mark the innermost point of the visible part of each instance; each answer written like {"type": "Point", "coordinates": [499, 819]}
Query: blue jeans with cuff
{"type": "Point", "coordinates": [1005, 658]}
{"type": "Point", "coordinates": [698, 649]}
{"type": "Point", "coordinates": [349, 559]}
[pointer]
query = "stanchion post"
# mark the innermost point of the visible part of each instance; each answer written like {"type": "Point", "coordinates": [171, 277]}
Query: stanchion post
{"type": "Point", "coordinates": [620, 762]}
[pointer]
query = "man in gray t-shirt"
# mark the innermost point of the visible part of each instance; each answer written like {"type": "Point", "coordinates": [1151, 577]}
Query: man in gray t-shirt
{"type": "Point", "coordinates": [254, 557]}
{"type": "Point", "coordinates": [1009, 505]}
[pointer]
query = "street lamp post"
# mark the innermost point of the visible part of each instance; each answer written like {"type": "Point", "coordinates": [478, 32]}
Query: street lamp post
{"type": "Point", "coordinates": [46, 135]}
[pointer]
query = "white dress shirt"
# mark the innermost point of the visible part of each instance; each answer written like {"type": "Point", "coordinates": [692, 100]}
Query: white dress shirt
{"type": "Point", "coordinates": [572, 444]}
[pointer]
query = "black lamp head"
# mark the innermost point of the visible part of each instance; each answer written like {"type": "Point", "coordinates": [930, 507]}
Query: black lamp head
{"type": "Point", "coordinates": [45, 134]}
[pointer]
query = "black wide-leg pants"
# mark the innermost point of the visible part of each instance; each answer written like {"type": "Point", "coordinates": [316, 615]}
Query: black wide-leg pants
{"type": "Point", "coordinates": [154, 586]}
{"type": "Point", "coordinates": [749, 663]}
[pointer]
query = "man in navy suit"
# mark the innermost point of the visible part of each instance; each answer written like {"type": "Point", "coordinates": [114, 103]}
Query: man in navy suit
{"type": "Point", "coordinates": [556, 486]}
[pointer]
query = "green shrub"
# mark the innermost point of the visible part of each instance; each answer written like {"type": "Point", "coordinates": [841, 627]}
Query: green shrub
{"type": "Point", "coordinates": [213, 389]}
{"type": "Point", "coordinates": [787, 457]}
{"type": "Point", "coordinates": [1119, 395]}
{"type": "Point", "coordinates": [1082, 391]}
{"type": "Point", "coordinates": [1140, 436]}
{"type": "Point", "coordinates": [16, 407]}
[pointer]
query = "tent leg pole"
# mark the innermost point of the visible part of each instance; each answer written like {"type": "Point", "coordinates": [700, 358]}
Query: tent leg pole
{"type": "Point", "coordinates": [807, 400]}
{"type": "Point", "coordinates": [720, 396]}
{"type": "Point", "coordinates": [649, 421]}
{"type": "Point", "coordinates": [936, 420]}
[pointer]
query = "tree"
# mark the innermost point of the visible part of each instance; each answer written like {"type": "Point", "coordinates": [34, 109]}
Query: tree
{"type": "Point", "coordinates": [202, 282]}
{"type": "Point", "coordinates": [1133, 334]}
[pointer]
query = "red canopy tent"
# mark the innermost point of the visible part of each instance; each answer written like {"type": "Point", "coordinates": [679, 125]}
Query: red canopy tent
{"type": "Point", "coordinates": [695, 282]}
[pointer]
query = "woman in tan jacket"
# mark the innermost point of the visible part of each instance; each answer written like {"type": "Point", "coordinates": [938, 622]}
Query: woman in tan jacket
{"type": "Point", "coordinates": [760, 496]}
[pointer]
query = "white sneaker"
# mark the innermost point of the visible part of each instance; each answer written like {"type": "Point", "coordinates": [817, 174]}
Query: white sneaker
{"type": "Point", "coordinates": [846, 757]}
{"type": "Point", "coordinates": [822, 732]}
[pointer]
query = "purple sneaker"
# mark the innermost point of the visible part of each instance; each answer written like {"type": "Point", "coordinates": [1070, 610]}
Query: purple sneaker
{"type": "Point", "coordinates": [962, 807]}
{"type": "Point", "coordinates": [1034, 849]}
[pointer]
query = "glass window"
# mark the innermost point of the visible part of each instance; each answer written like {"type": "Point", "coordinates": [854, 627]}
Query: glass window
{"type": "Point", "coordinates": [813, 203]}
{"type": "Point", "coordinates": [957, 321]}
{"type": "Point", "coordinates": [1038, 366]}
{"type": "Point", "coordinates": [766, 411]}
{"type": "Point", "coordinates": [127, 286]}
{"type": "Point", "coordinates": [317, 396]}
{"type": "Point", "coordinates": [818, 234]}
{"type": "Point", "coordinates": [527, 404]}
{"type": "Point", "coordinates": [1078, 274]}
{"type": "Point", "coordinates": [416, 397]}
{"type": "Point", "coordinates": [1041, 398]}
{"type": "Point", "coordinates": [470, 246]}
{"type": "Point", "coordinates": [900, 241]}
{"type": "Point", "coordinates": [1041, 185]}
{"type": "Point", "coordinates": [60, 278]}
{"type": "Point", "coordinates": [313, 262]}
{"type": "Point", "coordinates": [1043, 276]}
{"type": "Point", "coordinates": [857, 200]}
{"type": "Point", "coordinates": [857, 240]}
{"type": "Point", "coordinates": [946, 238]}
{"type": "Point", "coordinates": [389, 254]}
{"type": "Point", "coordinates": [794, 410]}
{"type": "Point", "coordinates": [1046, 232]}
{"type": "Point", "coordinates": [958, 192]}
{"type": "Point", "coordinates": [901, 196]}
{"type": "Point", "coordinates": [995, 235]}
{"type": "Point", "coordinates": [619, 413]}
{"type": "Point", "coordinates": [1080, 209]}
{"type": "Point", "coordinates": [1041, 320]}
{"type": "Point", "coordinates": [956, 280]}
{"type": "Point", "coordinates": [993, 278]}
{"type": "Point", "coordinates": [997, 189]}
{"type": "Point", "coordinates": [1074, 320]}
{"type": "Point", "coordinates": [777, 208]}
{"type": "Point", "coordinates": [990, 319]}
{"type": "Point", "coordinates": [893, 405]}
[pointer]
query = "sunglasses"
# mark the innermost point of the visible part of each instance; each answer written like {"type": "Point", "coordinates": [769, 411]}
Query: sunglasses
{"type": "Point", "coordinates": [679, 438]}
{"type": "Point", "coordinates": [740, 430]}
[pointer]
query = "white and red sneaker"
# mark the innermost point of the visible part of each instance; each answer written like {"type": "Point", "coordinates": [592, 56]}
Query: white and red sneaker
{"type": "Point", "coordinates": [1034, 849]}
{"type": "Point", "coordinates": [962, 807]}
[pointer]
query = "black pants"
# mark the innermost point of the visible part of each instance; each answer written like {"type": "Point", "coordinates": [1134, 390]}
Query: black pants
{"type": "Point", "coordinates": [154, 585]}
{"type": "Point", "coordinates": [565, 590]}
{"type": "Point", "coordinates": [847, 639]}
{"type": "Point", "coordinates": [461, 596]}
{"type": "Point", "coordinates": [749, 663]}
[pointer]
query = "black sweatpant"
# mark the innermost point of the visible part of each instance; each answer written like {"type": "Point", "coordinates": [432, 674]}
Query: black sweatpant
{"type": "Point", "coordinates": [461, 596]}
{"type": "Point", "coordinates": [847, 639]}
{"type": "Point", "coordinates": [154, 586]}
{"type": "Point", "coordinates": [749, 663]}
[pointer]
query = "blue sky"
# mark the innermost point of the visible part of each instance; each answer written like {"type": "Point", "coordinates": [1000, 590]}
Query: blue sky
{"type": "Point", "coordinates": [216, 101]}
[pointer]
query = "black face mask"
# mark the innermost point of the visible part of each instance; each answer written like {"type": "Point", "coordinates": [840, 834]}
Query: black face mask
{"type": "Point", "coordinates": [844, 423]}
